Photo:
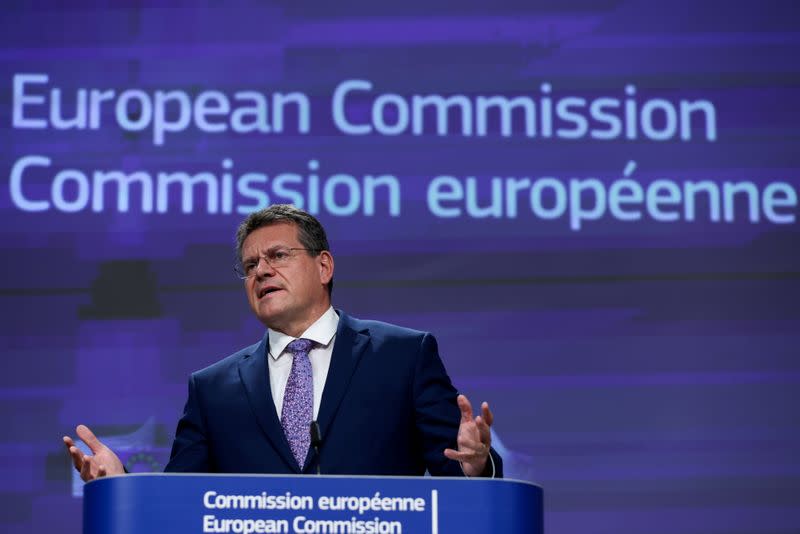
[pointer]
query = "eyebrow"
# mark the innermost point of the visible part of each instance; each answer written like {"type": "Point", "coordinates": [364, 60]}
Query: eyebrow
{"type": "Point", "coordinates": [267, 251]}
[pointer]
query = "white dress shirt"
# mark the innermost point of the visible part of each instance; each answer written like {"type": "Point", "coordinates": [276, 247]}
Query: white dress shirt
{"type": "Point", "coordinates": [322, 332]}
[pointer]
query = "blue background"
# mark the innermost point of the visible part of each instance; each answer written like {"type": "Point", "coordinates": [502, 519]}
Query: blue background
{"type": "Point", "coordinates": [645, 374]}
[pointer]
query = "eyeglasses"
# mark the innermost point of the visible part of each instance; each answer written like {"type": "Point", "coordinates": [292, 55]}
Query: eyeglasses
{"type": "Point", "coordinates": [276, 258]}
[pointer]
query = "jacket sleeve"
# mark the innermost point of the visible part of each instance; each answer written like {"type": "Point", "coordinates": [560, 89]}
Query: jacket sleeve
{"type": "Point", "coordinates": [437, 415]}
{"type": "Point", "coordinates": [190, 450]}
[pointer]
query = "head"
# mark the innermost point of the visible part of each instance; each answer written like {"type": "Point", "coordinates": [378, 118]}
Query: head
{"type": "Point", "coordinates": [291, 297]}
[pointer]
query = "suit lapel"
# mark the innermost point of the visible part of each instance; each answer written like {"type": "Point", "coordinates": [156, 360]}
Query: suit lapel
{"type": "Point", "coordinates": [347, 350]}
{"type": "Point", "coordinates": [254, 373]}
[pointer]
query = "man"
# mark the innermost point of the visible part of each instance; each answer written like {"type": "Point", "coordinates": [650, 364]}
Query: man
{"type": "Point", "coordinates": [380, 394]}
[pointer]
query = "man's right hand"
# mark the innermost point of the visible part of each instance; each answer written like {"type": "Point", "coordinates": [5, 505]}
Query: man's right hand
{"type": "Point", "coordinates": [102, 462]}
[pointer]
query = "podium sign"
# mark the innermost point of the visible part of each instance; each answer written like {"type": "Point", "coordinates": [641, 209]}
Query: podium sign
{"type": "Point", "coordinates": [189, 503]}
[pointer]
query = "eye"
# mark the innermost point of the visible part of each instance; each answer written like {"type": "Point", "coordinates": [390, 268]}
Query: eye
{"type": "Point", "coordinates": [249, 266]}
{"type": "Point", "coordinates": [280, 254]}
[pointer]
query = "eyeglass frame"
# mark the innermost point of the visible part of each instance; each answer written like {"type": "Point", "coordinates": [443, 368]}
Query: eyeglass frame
{"type": "Point", "coordinates": [238, 267]}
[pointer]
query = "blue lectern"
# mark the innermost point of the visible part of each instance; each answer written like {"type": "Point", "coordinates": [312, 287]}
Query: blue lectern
{"type": "Point", "coordinates": [184, 503]}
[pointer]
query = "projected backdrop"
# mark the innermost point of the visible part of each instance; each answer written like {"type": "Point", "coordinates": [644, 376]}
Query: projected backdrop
{"type": "Point", "coordinates": [592, 205]}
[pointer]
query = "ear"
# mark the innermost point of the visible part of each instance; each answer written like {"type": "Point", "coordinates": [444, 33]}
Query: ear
{"type": "Point", "coordinates": [325, 263]}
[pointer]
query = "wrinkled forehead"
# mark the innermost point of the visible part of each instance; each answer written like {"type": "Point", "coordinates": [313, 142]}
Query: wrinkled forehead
{"type": "Point", "coordinates": [270, 237]}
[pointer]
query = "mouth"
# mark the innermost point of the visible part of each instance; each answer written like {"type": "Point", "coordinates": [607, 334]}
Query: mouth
{"type": "Point", "coordinates": [269, 290]}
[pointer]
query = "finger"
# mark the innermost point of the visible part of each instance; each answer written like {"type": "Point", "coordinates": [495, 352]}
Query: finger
{"type": "Point", "coordinates": [89, 438]}
{"type": "Point", "coordinates": [483, 430]}
{"type": "Point", "coordinates": [86, 470]}
{"type": "Point", "coordinates": [69, 444]}
{"type": "Point", "coordinates": [488, 416]}
{"type": "Point", "coordinates": [77, 457]}
{"type": "Point", "coordinates": [460, 456]}
{"type": "Point", "coordinates": [101, 471]}
{"type": "Point", "coordinates": [465, 407]}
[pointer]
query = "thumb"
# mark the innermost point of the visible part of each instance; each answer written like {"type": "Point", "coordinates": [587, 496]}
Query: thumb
{"type": "Point", "coordinates": [89, 438]}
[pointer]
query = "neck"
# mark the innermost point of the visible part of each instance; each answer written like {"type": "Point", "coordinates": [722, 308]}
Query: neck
{"type": "Point", "coordinates": [296, 328]}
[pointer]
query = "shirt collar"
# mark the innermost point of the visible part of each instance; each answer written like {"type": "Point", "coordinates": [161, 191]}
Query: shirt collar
{"type": "Point", "coordinates": [320, 332]}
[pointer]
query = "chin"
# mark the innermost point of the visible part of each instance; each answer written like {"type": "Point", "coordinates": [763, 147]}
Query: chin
{"type": "Point", "coordinates": [269, 315]}
{"type": "Point", "coordinates": [264, 311]}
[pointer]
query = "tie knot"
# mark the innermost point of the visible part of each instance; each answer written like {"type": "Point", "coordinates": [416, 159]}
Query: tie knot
{"type": "Point", "coordinates": [300, 346]}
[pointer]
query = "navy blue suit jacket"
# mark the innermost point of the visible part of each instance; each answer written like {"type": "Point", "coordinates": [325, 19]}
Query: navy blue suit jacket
{"type": "Point", "coordinates": [388, 408]}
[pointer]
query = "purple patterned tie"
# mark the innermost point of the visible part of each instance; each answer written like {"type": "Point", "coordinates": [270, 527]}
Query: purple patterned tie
{"type": "Point", "coordinates": [298, 401]}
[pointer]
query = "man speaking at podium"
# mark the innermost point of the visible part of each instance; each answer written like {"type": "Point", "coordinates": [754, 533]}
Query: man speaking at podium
{"type": "Point", "coordinates": [379, 393]}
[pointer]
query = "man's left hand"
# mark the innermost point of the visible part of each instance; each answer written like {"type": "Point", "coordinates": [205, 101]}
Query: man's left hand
{"type": "Point", "coordinates": [474, 438]}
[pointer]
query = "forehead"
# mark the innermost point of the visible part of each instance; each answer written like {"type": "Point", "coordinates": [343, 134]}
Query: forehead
{"type": "Point", "coordinates": [266, 237]}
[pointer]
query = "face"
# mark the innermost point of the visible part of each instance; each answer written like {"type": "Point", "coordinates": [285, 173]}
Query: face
{"type": "Point", "coordinates": [290, 299]}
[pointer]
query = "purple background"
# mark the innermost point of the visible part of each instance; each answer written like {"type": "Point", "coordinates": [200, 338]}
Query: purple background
{"type": "Point", "coordinates": [645, 374]}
